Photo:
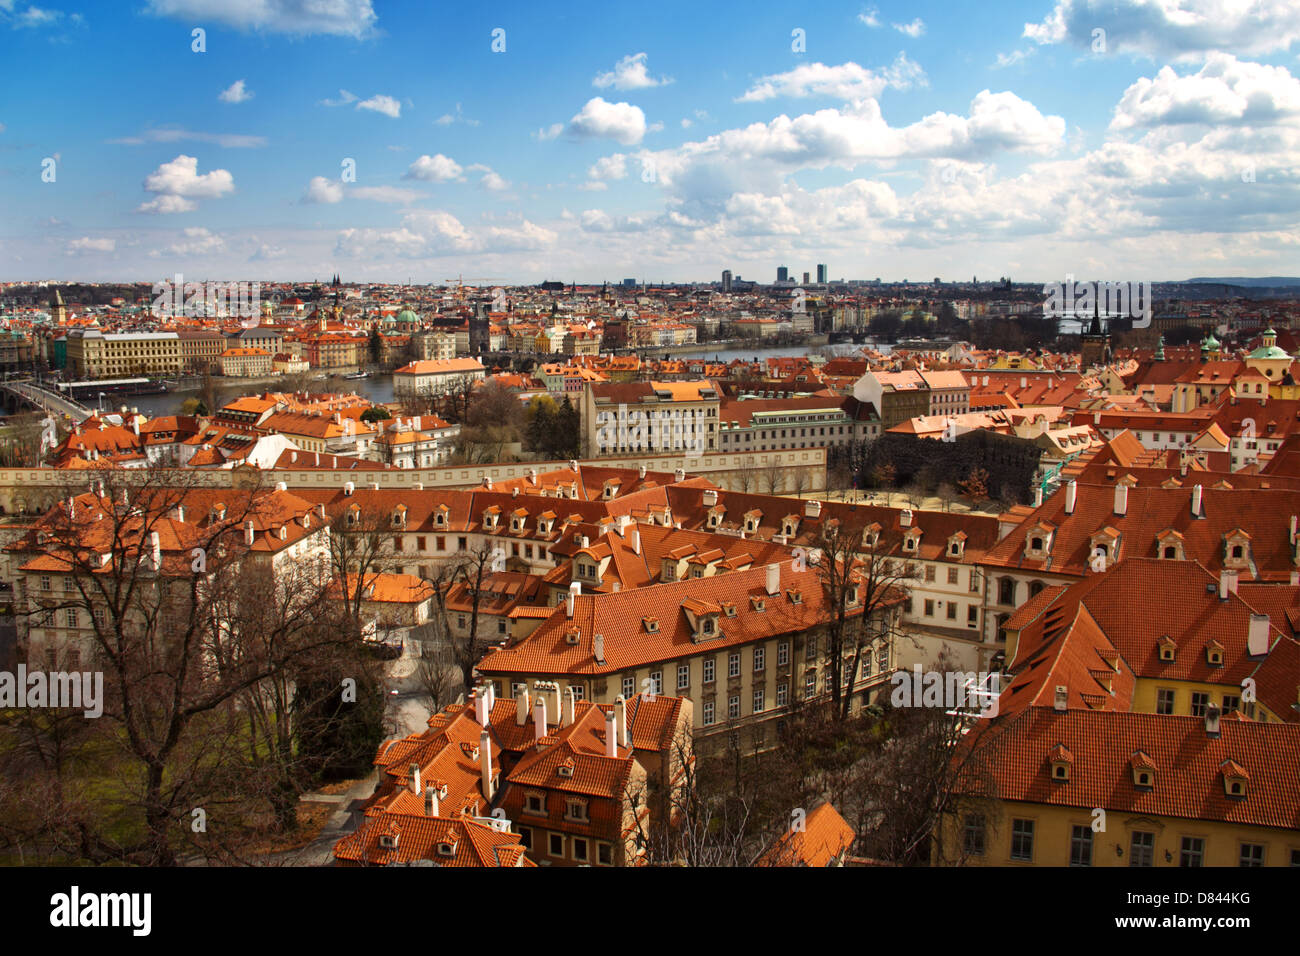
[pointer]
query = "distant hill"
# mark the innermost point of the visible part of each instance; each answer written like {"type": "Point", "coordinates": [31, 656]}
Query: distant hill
{"type": "Point", "coordinates": [1262, 282]}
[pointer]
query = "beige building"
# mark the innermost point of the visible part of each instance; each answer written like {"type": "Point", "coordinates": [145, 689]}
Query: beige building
{"type": "Point", "coordinates": [651, 417]}
{"type": "Point", "coordinates": [94, 354]}
{"type": "Point", "coordinates": [436, 377]}
{"type": "Point", "coordinates": [245, 362]}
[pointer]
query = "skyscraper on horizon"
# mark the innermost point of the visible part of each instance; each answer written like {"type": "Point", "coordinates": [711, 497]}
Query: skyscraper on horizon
{"type": "Point", "coordinates": [726, 280]}
{"type": "Point", "coordinates": [822, 273]}
{"type": "Point", "coordinates": [782, 273]}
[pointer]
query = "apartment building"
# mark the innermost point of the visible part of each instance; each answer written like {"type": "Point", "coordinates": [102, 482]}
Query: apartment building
{"type": "Point", "coordinates": [245, 362]}
{"type": "Point", "coordinates": [94, 354]}
{"type": "Point", "coordinates": [651, 417]}
{"type": "Point", "coordinates": [436, 377]}
{"type": "Point", "coordinates": [757, 424]}
{"type": "Point", "coordinates": [896, 396]}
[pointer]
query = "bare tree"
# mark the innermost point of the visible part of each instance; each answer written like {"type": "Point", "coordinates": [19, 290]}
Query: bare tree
{"type": "Point", "coordinates": [772, 477]}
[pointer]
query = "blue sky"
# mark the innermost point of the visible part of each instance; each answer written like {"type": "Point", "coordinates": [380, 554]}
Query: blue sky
{"type": "Point", "coordinates": [665, 141]}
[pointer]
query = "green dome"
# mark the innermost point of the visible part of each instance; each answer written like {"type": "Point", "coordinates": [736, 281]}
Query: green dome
{"type": "Point", "coordinates": [1210, 342]}
{"type": "Point", "coordinates": [407, 317]}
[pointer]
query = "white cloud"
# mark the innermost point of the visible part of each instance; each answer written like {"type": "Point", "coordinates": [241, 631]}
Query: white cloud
{"type": "Point", "coordinates": [323, 190]}
{"type": "Point", "coordinates": [353, 18]}
{"type": "Point", "coordinates": [198, 241]}
{"type": "Point", "coordinates": [913, 29]}
{"type": "Point", "coordinates": [388, 194]}
{"type": "Point", "coordinates": [428, 234]}
{"type": "Point", "coordinates": [549, 132]}
{"type": "Point", "coordinates": [870, 17]}
{"type": "Point", "coordinates": [597, 220]}
{"type": "Point", "coordinates": [379, 103]}
{"type": "Point", "coordinates": [621, 122]}
{"type": "Point", "coordinates": [176, 135]}
{"type": "Point", "coordinates": [686, 123]}
{"type": "Point", "coordinates": [344, 99]}
{"type": "Point", "coordinates": [266, 253]}
{"type": "Point", "coordinates": [848, 81]}
{"type": "Point", "coordinates": [87, 244]}
{"type": "Point", "coordinates": [435, 169]}
{"type": "Point", "coordinates": [629, 73]}
{"type": "Point", "coordinates": [1224, 91]}
{"type": "Point", "coordinates": [1172, 28]}
{"type": "Point", "coordinates": [178, 183]}
{"type": "Point", "coordinates": [609, 167]}
{"type": "Point", "coordinates": [35, 18]}
{"type": "Point", "coordinates": [1005, 60]}
{"type": "Point", "coordinates": [236, 92]}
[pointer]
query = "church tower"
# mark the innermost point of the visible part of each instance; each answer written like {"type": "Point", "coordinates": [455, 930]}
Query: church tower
{"type": "Point", "coordinates": [1095, 347]}
{"type": "Point", "coordinates": [58, 311]}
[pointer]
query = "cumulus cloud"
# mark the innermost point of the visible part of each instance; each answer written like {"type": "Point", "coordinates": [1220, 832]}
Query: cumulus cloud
{"type": "Point", "coordinates": [344, 99]}
{"type": "Point", "coordinates": [178, 183]}
{"type": "Point", "coordinates": [88, 244]}
{"type": "Point", "coordinates": [913, 29]}
{"type": "Point", "coordinates": [323, 190]}
{"type": "Point", "coordinates": [352, 18]}
{"type": "Point", "coordinates": [435, 169]}
{"type": "Point", "coordinates": [236, 92]}
{"type": "Point", "coordinates": [549, 132]}
{"type": "Point", "coordinates": [197, 241]}
{"type": "Point", "coordinates": [621, 122]}
{"type": "Point", "coordinates": [428, 234]}
{"type": "Point", "coordinates": [609, 167]}
{"type": "Point", "coordinates": [629, 73]}
{"type": "Point", "coordinates": [848, 81]}
{"type": "Point", "coordinates": [1224, 91]}
{"type": "Point", "coordinates": [490, 180]}
{"type": "Point", "coordinates": [597, 220]}
{"type": "Point", "coordinates": [1172, 28]}
{"type": "Point", "coordinates": [870, 17]}
{"type": "Point", "coordinates": [379, 103]}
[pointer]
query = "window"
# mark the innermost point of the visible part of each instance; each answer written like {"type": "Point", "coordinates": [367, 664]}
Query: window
{"type": "Point", "coordinates": [760, 658]}
{"type": "Point", "coordinates": [1142, 849]}
{"type": "Point", "coordinates": [733, 664]}
{"type": "Point", "coordinates": [70, 617]}
{"type": "Point", "coordinates": [629, 688]}
{"type": "Point", "coordinates": [1199, 702]}
{"type": "Point", "coordinates": [812, 647]}
{"type": "Point", "coordinates": [708, 671]}
{"type": "Point", "coordinates": [1007, 591]}
{"type": "Point", "coordinates": [1022, 840]}
{"type": "Point", "coordinates": [683, 676]}
{"type": "Point", "coordinates": [657, 683]}
{"type": "Point", "coordinates": [810, 684]}
{"type": "Point", "coordinates": [929, 573]}
{"type": "Point", "coordinates": [604, 854]}
{"type": "Point", "coordinates": [708, 713]}
{"type": "Point", "coordinates": [557, 844]}
{"type": "Point", "coordinates": [974, 580]}
{"type": "Point", "coordinates": [782, 694]}
{"type": "Point", "coordinates": [953, 575]}
{"type": "Point", "coordinates": [1252, 854]}
{"type": "Point", "coordinates": [1231, 702]}
{"type": "Point", "coordinates": [534, 803]}
{"type": "Point", "coordinates": [1081, 846]}
{"type": "Point", "coordinates": [575, 809]}
{"type": "Point", "coordinates": [758, 700]}
{"type": "Point", "coordinates": [929, 607]}
{"type": "Point", "coordinates": [973, 834]}
{"type": "Point", "coordinates": [783, 654]}
{"type": "Point", "coordinates": [951, 609]}
{"type": "Point", "coordinates": [526, 837]}
{"type": "Point", "coordinates": [1164, 701]}
{"type": "Point", "coordinates": [1193, 852]}
{"type": "Point", "coordinates": [973, 615]}
{"type": "Point", "coordinates": [45, 582]}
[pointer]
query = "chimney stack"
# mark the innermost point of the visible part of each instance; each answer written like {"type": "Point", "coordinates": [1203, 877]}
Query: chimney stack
{"type": "Point", "coordinates": [1071, 496]}
{"type": "Point", "coordinates": [1227, 583]}
{"type": "Point", "coordinates": [575, 589]}
{"type": "Point", "coordinates": [248, 533]}
{"type": "Point", "coordinates": [570, 706]}
{"type": "Point", "coordinates": [539, 718]}
{"type": "Point", "coordinates": [1211, 720]}
{"type": "Point", "coordinates": [1038, 496]}
{"type": "Point", "coordinates": [1061, 700]}
{"type": "Point", "coordinates": [430, 801]}
{"type": "Point", "coordinates": [1257, 636]}
{"type": "Point", "coordinates": [1196, 501]}
{"type": "Point", "coordinates": [905, 518]}
{"type": "Point", "coordinates": [480, 706]}
{"type": "Point", "coordinates": [521, 706]}
{"type": "Point", "coordinates": [611, 735]}
{"type": "Point", "coordinates": [773, 582]}
{"type": "Point", "coordinates": [1121, 499]}
{"type": "Point", "coordinates": [710, 498]}
{"type": "Point", "coordinates": [679, 474]}
{"type": "Point", "coordinates": [636, 541]}
{"type": "Point", "coordinates": [414, 781]}
{"type": "Point", "coordinates": [155, 551]}
{"type": "Point", "coordinates": [485, 761]}
{"type": "Point", "coordinates": [598, 648]}
{"type": "Point", "coordinates": [620, 708]}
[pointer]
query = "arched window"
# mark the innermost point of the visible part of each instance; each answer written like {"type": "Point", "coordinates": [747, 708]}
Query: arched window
{"type": "Point", "coordinates": [1007, 591]}
{"type": "Point", "coordinates": [1035, 587]}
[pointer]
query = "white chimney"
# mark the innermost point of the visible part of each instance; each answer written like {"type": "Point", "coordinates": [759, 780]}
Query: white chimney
{"type": "Point", "coordinates": [1038, 496]}
{"type": "Point", "coordinates": [573, 464]}
{"type": "Point", "coordinates": [625, 734]}
{"type": "Point", "coordinates": [1212, 720]}
{"type": "Point", "coordinates": [248, 533]}
{"type": "Point", "coordinates": [491, 691]}
{"type": "Point", "coordinates": [598, 648]}
{"type": "Point", "coordinates": [710, 498]}
{"type": "Point", "coordinates": [281, 486]}
{"type": "Point", "coordinates": [414, 782]}
{"type": "Point", "coordinates": [636, 541]}
{"type": "Point", "coordinates": [1061, 700]}
{"type": "Point", "coordinates": [521, 706]}
{"type": "Point", "coordinates": [773, 581]}
{"type": "Point", "coordinates": [348, 488]}
{"type": "Point", "coordinates": [487, 482]}
{"type": "Point", "coordinates": [641, 471]}
{"type": "Point", "coordinates": [293, 457]}
{"type": "Point", "coordinates": [905, 518]}
{"type": "Point", "coordinates": [485, 761]}
{"type": "Point", "coordinates": [1257, 636]}
{"type": "Point", "coordinates": [155, 551]}
{"type": "Point", "coordinates": [1196, 501]}
{"type": "Point", "coordinates": [611, 735]}
{"type": "Point", "coordinates": [570, 706]}
{"type": "Point", "coordinates": [575, 588]}
{"type": "Point", "coordinates": [812, 508]}
{"type": "Point", "coordinates": [320, 511]}
{"type": "Point", "coordinates": [679, 474]}
{"type": "Point", "coordinates": [539, 718]}
{"type": "Point", "coordinates": [1071, 496]}
{"type": "Point", "coordinates": [1227, 583]}
{"type": "Point", "coordinates": [1292, 537]}
{"type": "Point", "coordinates": [430, 801]}
{"type": "Point", "coordinates": [480, 706]}
{"type": "Point", "coordinates": [1121, 499]}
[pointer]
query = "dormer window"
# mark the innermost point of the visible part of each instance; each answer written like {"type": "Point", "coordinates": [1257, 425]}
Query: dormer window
{"type": "Point", "coordinates": [446, 849]}
{"type": "Point", "coordinates": [789, 526]}
{"type": "Point", "coordinates": [440, 517]}
{"type": "Point", "coordinates": [794, 597]}
{"type": "Point", "coordinates": [1061, 763]}
{"type": "Point", "coordinates": [399, 517]}
{"type": "Point", "coordinates": [1167, 647]}
{"type": "Point", "coordinates": [1235, 779]}
{"type": "Point", "coordinates": [1144, 770]}
{"type": "Point", "coordinates": [490, 520]}
{"type": "Point", "coordinates": [388, 841]}
{"type": "Point", "coordinates": [751, 521]}
{"type": "Point", "coordinates": [1236, 549]}
{"type": "Point", "coordinates": [956, 545]}
{"type": "Point", "coordinates": [871, 535]}
{"type": "Point", "coordinates": [715, 518]}
{"type": "Point", "coordinates": [729, 610]}
{"type": "Point", "coordinates": [575, 809]}
{"type": "Point", "coordinates": [758, 603]}
{"type": "Point", "coordinates": [651, 624]}
{"type": "Point", "coordinates": [534, 803]}
{"type": "Point", "coordinates": [1214, 653]}
{"type": "Point", "coordinates": [707, 626]}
